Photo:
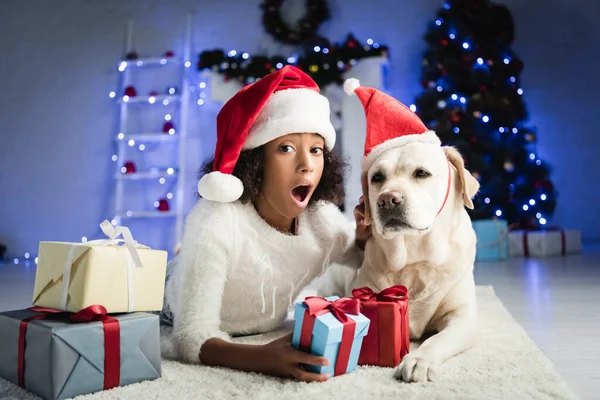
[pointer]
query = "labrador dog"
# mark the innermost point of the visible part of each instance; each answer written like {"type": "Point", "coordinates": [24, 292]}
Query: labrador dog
{"type": "Point", "coordinates": [422, 238]}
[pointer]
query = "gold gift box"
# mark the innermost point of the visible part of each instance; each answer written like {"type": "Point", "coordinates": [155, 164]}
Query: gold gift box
{"type": "Point", "coordinates": [100, 275]}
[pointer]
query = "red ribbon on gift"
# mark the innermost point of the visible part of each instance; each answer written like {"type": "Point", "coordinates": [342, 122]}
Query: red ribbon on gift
{"type": "Point", "coordinates": [394, 293]}
{"type": "Point", "coordinates": [563, 239]}
{"type": "Point", "coordinates": [388, 339]}
{"type": "Point", "coordinates": [112, 339]}
{"type": "Point", "coordinates": [316, 306]}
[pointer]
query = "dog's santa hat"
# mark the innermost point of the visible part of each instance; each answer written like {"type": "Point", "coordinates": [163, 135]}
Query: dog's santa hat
{"type": "Point", "coordinates": [390, 123]}
{"type": "Point", "coordinates": [286, 101]}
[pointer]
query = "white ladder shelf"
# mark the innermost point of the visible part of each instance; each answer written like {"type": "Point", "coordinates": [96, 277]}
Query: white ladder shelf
{"type": "Point", "coordinates": [126, 140]}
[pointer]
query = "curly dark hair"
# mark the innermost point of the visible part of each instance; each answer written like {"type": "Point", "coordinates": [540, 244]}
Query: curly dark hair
{"type": "Point", "coordinates": [250, 165]}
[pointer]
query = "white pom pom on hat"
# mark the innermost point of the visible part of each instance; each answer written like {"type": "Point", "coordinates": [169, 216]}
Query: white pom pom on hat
{"type": "Point", "coordinates": [350, 86]}
{"type": "Point", "coordinates": [217, 186]}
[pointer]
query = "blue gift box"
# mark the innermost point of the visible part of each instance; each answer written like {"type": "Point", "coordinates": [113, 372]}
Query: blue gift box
{"type": "Point", "coordinates": [492, 240]}
{"type": "Point", "coordinates": [327, 336]}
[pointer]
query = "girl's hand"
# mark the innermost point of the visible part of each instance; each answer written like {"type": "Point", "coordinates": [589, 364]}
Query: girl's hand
{"type": "Point", "coordinates": [279, 358]}
{"type": "Point", "coordinates": [363, 232]}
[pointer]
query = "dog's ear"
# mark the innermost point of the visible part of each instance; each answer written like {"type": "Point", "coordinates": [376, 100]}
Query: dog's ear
{"type": "Point", "coordinates": [365, 189]}
{"type": "Point", "coordinates": [468, 184]}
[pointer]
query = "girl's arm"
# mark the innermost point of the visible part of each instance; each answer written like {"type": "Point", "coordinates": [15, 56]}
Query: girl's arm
{"type": "Point", "coordinates": [200, 291]}
{"type": "Point", "coordinates": [277, 358]}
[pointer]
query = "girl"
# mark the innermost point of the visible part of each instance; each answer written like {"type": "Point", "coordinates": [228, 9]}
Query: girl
{"type": "Point", "coordinates": [265, 227]}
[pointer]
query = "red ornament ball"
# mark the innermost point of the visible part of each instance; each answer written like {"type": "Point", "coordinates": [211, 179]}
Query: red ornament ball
{"type": "Point", "coordinates": [352, 44]}
{"type": "Point", "coordinates": [456, 118]}
{"type": "Point", "coordinates": [169, 53]}
{"type": "Point", "coordinates": [153, 93]}
{"type": "Point", "coordinates": [163, 205]}
{"type": "Point", "coordinates": [130, 91]}
{"type": "Point", "coordinates": [129, 167]}
{"type": "Point", "coordinates": [167, 126]}
{"type": "Point", "coordinates": [444, 42]}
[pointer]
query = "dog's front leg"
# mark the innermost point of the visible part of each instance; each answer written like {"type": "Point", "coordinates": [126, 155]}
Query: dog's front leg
{"type": "Point", "coordinates": [457, 334]}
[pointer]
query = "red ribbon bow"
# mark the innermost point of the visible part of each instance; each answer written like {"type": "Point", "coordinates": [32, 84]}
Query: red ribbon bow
{"type": "Point", "coordinates": [112, 339]}
{"type": "Point", "coordinates": [316, 306]}
{"type": "Point", "coordinates": [394, 293]}
{"type": "Point", "coordinates": [388, 339]}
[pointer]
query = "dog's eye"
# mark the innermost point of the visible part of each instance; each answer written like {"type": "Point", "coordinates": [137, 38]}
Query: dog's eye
{"type": "Point", "coordinates": [421, 173]}
{"type": "Point", "coordinates": [377, 178]}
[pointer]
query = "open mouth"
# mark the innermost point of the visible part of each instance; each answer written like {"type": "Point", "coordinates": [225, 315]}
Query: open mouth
{"type": "Point", "coordinates": [300, 193]}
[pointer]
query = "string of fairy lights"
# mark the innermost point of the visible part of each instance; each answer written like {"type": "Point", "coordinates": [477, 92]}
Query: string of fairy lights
{"type": "Point", "coordinates": [168, 129]}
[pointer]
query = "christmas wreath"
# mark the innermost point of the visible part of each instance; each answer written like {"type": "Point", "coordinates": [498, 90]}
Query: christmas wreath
{"type": "Point", "coordinates": [317, 12]}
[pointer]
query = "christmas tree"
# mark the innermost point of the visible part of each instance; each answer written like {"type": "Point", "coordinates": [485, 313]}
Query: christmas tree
{"type": "Point", "coordinates": [473, 99]}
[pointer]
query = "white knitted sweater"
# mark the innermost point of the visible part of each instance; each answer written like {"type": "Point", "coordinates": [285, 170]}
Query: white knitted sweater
{"type": "Point", "coordinates": [238, 275]}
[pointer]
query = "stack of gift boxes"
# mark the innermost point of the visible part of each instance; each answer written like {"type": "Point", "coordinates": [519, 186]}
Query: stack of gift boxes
{"type": "Point", "coordinates": [87, 331]}
{"type": "Point", "coordinates": [496, 242]}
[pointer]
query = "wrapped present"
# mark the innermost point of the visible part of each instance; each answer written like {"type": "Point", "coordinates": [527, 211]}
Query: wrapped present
{"type": "Point", "coordinates": [388, 340]}
{"type": "Point", "coordinates": [492, 240]}
{"type": "Point", "coordinates": [59, 355]}
{"type": "Point", "coordinates": [544, 243]}
{"type": "Point", "coordinates": [123, 278]}
{"type": "Point", "coordinates": [333, 328]}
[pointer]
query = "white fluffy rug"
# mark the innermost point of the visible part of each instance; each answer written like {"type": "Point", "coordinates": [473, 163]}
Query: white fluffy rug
{"type": "Point", "coordinates": [506, 365]}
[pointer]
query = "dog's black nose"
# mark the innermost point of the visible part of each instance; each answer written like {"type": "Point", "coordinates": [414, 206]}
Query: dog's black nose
{"type": "Point", "coordinates": [390, 200]}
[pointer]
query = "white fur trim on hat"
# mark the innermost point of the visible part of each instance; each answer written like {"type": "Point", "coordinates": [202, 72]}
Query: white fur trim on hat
{"type": "Point", "coordinates": [350, 85]}
{"type": "Point", "coordinates": [217, 186]}
{"type": "Point", "coordinates": [292, 111]}
{"type": "Point", "coordinates": [428, 137]}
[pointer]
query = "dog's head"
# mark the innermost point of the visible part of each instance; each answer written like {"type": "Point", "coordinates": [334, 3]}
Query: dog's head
{"type": "Point", "coordinates": [405, 187]}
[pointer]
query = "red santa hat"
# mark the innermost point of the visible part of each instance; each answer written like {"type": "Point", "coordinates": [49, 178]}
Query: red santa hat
{"type": "Point", "coordinates": [390, 124]}
{"type": "Point", "coordinates": [286, 101]}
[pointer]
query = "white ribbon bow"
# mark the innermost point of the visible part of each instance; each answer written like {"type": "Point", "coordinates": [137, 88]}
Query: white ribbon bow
{"type": "Point", "coordinates": [133, 257]}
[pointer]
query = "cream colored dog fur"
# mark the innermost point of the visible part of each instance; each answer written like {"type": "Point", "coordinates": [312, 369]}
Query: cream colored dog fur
{"type": "Point", "coordinates": [431, 254]}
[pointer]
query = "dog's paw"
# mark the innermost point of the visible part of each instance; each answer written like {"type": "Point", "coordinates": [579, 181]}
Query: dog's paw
{"type": "Point", "coordinates": [415, 369]}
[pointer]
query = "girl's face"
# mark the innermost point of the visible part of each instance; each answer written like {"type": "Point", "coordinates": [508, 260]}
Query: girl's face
{"type": "Point", "coordinates": [293, 166]}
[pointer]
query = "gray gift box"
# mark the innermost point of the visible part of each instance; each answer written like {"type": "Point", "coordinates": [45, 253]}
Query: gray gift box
{"type": "Point", "coordinates": [64, 359]}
